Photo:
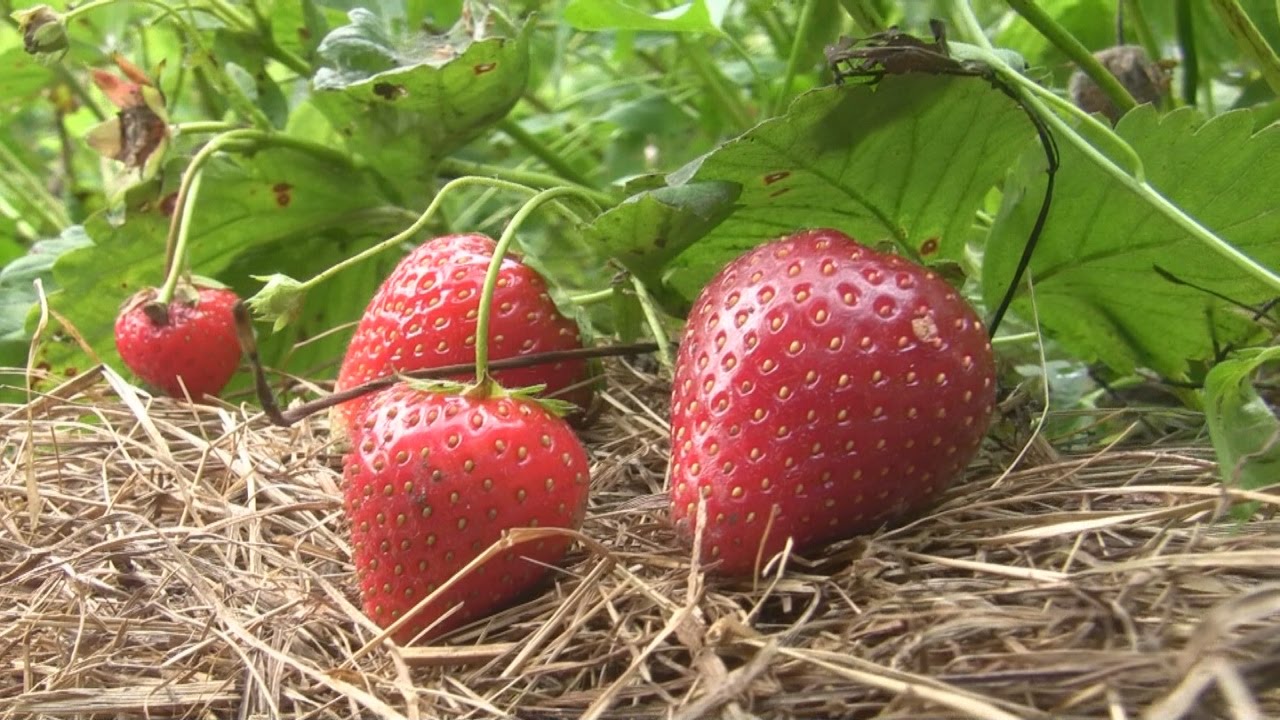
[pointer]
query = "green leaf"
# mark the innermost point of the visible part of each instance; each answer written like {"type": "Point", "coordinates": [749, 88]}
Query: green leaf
{"type": "Point", "coordinates": [279, 197]}
{"type": "Point", "coordinates": [1243, 428]}
{"type": "Point", "coordinates": [1097, 289]}
{"type": "Point", "coordinates": [1092, 22]}
{"type": "Point", "coordinates": [648, 231]}
{"type": "Point", "coordinates": [694, 16]}
{"type": "Point", "coordinates": [907, 162]}
{"type": "Point", "coordinates": [17, 280]}
{"type": "Point", "coordinates": [403, 112]}
{"type": "Point", "coordinates": [357, 50]}
{"type": "Point", "coordinates": [21, 77]}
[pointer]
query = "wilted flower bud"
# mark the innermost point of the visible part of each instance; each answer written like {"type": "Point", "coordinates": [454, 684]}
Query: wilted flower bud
{"type": "Point", "coordinates": [1146, 81]}
{"type": "Point", "coordinates": [42, 29]}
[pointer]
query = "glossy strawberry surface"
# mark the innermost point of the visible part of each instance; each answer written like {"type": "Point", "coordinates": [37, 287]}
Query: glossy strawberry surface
{"type": "Point", "coordinates": [424, 315]}
{"type": "Point", "coordinates": [192, 343]}
{"type": "Point", "coordinates": [434, 479]}
{"type": "Point", "coordinates": [821, 390]}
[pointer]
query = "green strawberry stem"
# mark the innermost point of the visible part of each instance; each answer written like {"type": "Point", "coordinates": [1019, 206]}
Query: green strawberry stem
{"type": "Point", "coordinates": [1029, 94]}
{"type": "Point", "coordinates": [535, 146]}
{"type": "Point", "coordinates": [178, 248]}
{"type": "Point", "coordinates": [651, 316]}
{"type": "Point", "coordinates": [484, 384]}
{"type": "Point", "coordinates": [1044, 23]}
{"type": "Point", "coordinates": [202, 126]}
{"type": "Point", "coordinates": [179, 226]}
{"type": "Point", "coordinates": [283, 292]}
{"type": "Point", "coordinates": [1251, 43]}
{"type": "Point", "coordinates": [457, 167]}
{"type": "Point", "coordinates": [807, 25]}
{"type": "Point", "coordinates": [592, 298]}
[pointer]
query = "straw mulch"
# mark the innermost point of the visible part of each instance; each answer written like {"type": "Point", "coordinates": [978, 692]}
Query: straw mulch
{"type": "Point", "coordinates": [162, 561]}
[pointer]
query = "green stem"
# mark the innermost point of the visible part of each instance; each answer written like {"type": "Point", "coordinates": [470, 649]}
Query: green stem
{"type": "Point", "coordinates": [1044, 23]}
{"type": "Point", "coordinates": [175, 241]}
{"type": "Point", "coordinates": [1017, 339]}
{"type": "Point", "coordinates": [240, 138]}
{"type": "Point", "coordinates": [179, 251]}
{"type": "Point", "coordinates": [715, 82]}
{"type": "Point", "coordinates": [1136, 18]}
{"type": "Point", "coordinates": [1104, 132]}
{"type": "Point", "coordinates": [255, 23]}
{"type": "Point", "coordinates": [799, 50]}
{"type": "Point", "coordinates": [425, 218]}
{"type": "Point", "coordinates": [530, 142]}
{"type": "Point", "coordinates": [592, 298]}
{"type": "Point", "coordinates": [650, 310]}
{"type": "Point", "coordinates": [1066, 133]}
{"type": "Point", "coordinates": [1187, 44]}
{"type": "Point", "coordinates": [230, 15]}
{"type": "Point", "coordinates": [454, 166]}
{"type": "Point", "coordinates": [966, 22]}
{"type": "Point", "coordinates": [202, 127]}
{"type": "Point", "coordinates": [971, 30]}
{"type": "Point", "coordinates": [161, 5]}
{"type": "Point", "coordinates": [1249, 40]}
{"type": "Point", "coordinates": [38, 198]}
{"type": "Point", "coordinates": [766, 18]}
{"type": "Point", "coordinates": [864, 15]}
{"type": "Point", "coordinates": [495, 268]}
{"type": "Point", "coordinates": [78, 89]}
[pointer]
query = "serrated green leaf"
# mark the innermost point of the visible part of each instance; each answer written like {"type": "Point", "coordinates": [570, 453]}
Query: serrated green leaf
{"type": "Point", "coordinates": [403, 120]}
{"type": "Point", "coordinates": [1097, 290]}
{"type": "Point", "coordinates": [1243, 428]}
{"type": "Point", "coordinates": [277, 197]}
{"type": "Point", "coordinates": [17, 280]}
{"type": "Point", "coordinates": [906, 162]}
{"type": "Point", "coordinates": [696, 16]}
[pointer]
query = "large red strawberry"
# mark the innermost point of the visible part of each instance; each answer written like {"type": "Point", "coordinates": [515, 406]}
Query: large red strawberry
{"type": "Point", "coordinates": [821, 389]}
{"type": "Point", "coordinates": [433, 479]}
{"type": "Point", "coordinates": [424, 316]}
{"type": "Point", "coordinates": [191, 341]}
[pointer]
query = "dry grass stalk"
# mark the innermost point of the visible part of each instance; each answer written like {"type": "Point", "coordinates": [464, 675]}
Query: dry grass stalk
{"type": "Point", "coordinates": [162, 561]}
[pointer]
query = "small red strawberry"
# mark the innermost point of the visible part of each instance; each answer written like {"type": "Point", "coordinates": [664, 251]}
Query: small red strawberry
{"type": "Point", "coordinates": [824, 384]}
{"type": "Point", "coordinates": [191, 341]}
{"type": "Point", "coordinates": [424, 316]}
{"type": "Point", "coordinates": [433, 479]}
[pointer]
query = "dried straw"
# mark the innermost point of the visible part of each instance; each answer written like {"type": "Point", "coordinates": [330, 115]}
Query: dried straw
{"type": "Point", "coordinates": [158, 560]}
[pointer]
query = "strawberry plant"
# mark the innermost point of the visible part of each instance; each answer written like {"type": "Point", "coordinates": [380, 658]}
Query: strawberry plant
{"type": "Point", "coordinates": [303, 154]}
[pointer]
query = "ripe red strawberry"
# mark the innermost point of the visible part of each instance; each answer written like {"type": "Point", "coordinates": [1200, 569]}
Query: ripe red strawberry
{"type": "Point", "coordinates": [192, 338]}
{"type": "Point", "coordinates": [433, 479]}
{"type": "Point", "coordinates": [424, 316]}
{"type": "Point", "coordinates": [830, 385]}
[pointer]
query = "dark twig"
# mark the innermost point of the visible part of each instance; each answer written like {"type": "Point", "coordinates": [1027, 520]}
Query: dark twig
{"type": "Point", "coordinates": [285, 418]}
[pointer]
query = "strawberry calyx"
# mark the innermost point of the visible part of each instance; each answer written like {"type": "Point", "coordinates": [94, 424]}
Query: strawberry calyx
{"type": "Point", "coordinates": [488, 388]}
{"type": "Point", "coordinates": [157, 310]}
{"type": "Point", "coordinates": [279, 301]}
